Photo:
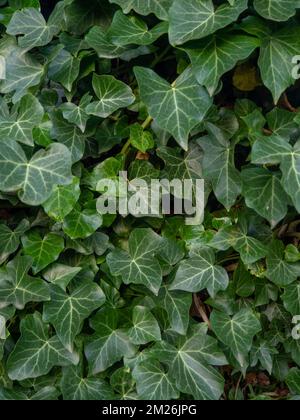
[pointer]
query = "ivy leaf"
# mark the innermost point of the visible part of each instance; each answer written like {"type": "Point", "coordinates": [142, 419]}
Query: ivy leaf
{"type": "Point", "coordinates": [158, 7]}
{"type": "Point", "coordinates": [64, 69]}
{"type": "Point", "coordinates": [293, 380]}
{"type": "Point", "coordinates": [62, 200]}
{"type": "Point", "coordinates": [24, 116]}
{"type": "Point", "coordinates": [276, 60]}
{"type": "Point", "coordinates": [66, 312]}
{"type": "Point", "coordinates": [75, 386]}
{"type": "Point", "coordinates": [291, 298]}
{"type": "Point", "coordinates": [189, 365]}
{"type": "Point", "coordinates": [112, 94]}
{"type": "Point", "coordinates": [10, 239]}
{"type": "Point", "coordinates": [18, 288]}
{"type": "Point", "coordinates": [82, 223]}
{"type": "Point", "coordinates": [42, 250]}
{"type": "Point", "coordinates": [76, 114]}
{"type": "Point", "coordinates": [263, 352]}
{"type": "Point", "coordinates": [36, 353]}
{"type": "Point", "coordinates": [196, 19]}
{"type": "Point", "coordinates": [200, 272]}
{"type": "Point", "coordinates": [213, 57]}
{"type": "Point", "coordinates": [176, 108]}
{"type": "Point", "coordinates": [218, 166]}
{"type": "Point", "coordinates": [109, 344]}
{"type": "Point", "coordinates": [126, 30]}
{"type": "Point", "coordinates": [279, 271]}
{"type": "Point", "coordinates": [153, 383]}
{"type": "Point", "coordinates": [138, 265]}
{"type": "Point", "coordinates": [61, 274]}
{"type": "Point", "coordinates": [140, 139]}
{"type": "Point", "coordinates": [34, 179]}
{"type": "Point", "coordinates": [145, 327]}
{"type": "Point", "coordinates": [278, 10]}
{"type": "Point", "coordinates": [237, 332]}
{"type": "Point", "coordinates": [264, 193]}
{"type": "Point", "coordinates": [275, 150]}
{"type": "Point", "coordinates": [31, 24]}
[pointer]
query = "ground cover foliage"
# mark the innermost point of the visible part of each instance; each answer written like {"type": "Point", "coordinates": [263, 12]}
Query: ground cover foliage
{"type": "Point", "coordinates": [112, 307]}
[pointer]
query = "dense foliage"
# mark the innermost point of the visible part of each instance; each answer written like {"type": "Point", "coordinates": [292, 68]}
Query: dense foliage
{"type": "Point", "coordinates": [109, 307]}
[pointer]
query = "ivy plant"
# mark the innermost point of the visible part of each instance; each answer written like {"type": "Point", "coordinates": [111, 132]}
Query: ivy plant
{"type": "Point", "coordinates": [98, 306]}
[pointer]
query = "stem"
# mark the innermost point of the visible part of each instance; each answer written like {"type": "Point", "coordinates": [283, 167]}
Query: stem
{"type": "Point", "coordinates": [145, 124]}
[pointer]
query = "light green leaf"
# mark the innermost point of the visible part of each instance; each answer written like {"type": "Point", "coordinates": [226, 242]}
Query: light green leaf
{"type": "Point", "coordinates": [140, 139]}
{"type": "Point", "coordinates": [200, 272]}
{"type": "Point", "coordinates": [138, 265]}
{"type": "Point", "coordinates": [279, 271]}
{"type": "Point", "coordinates": [237, 333]}
{"type": "Point", "coordinates": [36, 353]}
{"type": "Point", "coordinates": [278, 10]}
{"type": "Point", "coordinates": [31, 24]}
{"type": "Point", "coordinates": [18, 288]}
{"type": "Point", "coordinates": [212, 58]}
{"type": "Point", "coordinates": [145, 326]}
{"type": "Point", "coordinates": [80, 224]}
{"type": "Point", "coordinates": [66, 312]}
{"type": "Point", "coordinates": [62, 200]}
{"type": "Point", "coordinates": [33, 179]}
{"type": "Point", "coordinates": [126, 30]}
{"type": "Point", "coordinates": [109, 344]}
{"type": "Point", "coordinates": [196, 19]}
{"type": "Point", "coordinates": [24, 116]}
{"type": "Point", "coordinates": [176, 108]}
{"type": "Point", "coordinates": [44, 250]}
{"type": "Point", "coordinates": [275, 150]}
{"type": "Point", "coordinates": [153, 383]}
{"type": "Point", "coordinates": [145, 7]}
{"type": "Point", "coordinates": [264, 193]}
{"type": "Point", "coordinates": [112, 94]}
{"type": "Point", "coordinates": [219, 167]}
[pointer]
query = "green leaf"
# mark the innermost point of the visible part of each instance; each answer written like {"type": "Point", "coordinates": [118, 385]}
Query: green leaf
{"type": "Point", "coordinates": [293, 380]}
{"type": "Point", "coordinates": [153, 383]}
{"type": "Point", "coordinates": [112, 94]}
{"type": "Point", "coordinates": [75, 386]}
{"type": "Point", "coordinates": [291, 298]}
{"type": "Point", "coordinates": [34, 179]}
{"type": "Point", "coordinates": [276, 60]}
{"type": "Point", "coordinates": [82, 223]}
{"type": "Point", "coordinates": [75, 114]}
{"type": "Point", "coordinates": [176, 108]}
{"type": "Point", "coordinates": [219, 167]}
{"type": "Point", "coordinates": [60, 274]}
{"type": "Point", "coordinates": [44, 250]}
{"type": "Point", "coordinates": [66, 312]}
{"type": "Point", "coordinates": [158, 7]}
{"type": "Point", "coordinates": [237, 332]}
{"type": "Point", "coordinates": [31, 24]}
{"type": "Point", "coordinates": [200, 272]}
{"type": "Point", "coordinates": [275, 150]}
{"type": "Point", "coordinates": [279, 271]}
{"type": "Point", "coordinates": [62, 200]}
{"type": "Point", "coordinates": [278, 10]}
{"type": "Point", "coordinates": [18, 288]}
{"type": "Point", "coordinates": [24, 116]}
{"type": "Point", "coordinates": [109, 344]}
{"type": "Point", "coordinates": [36, 353]}
{"type": "Point", "coordinates": [10, 239]}
{"type": "Point", "coordinates": [139, 265]}
{"type": "Point", "coordinates": [213, 57]}
{"type": "Point", "coordinates": [64, 69]}
{"type": "Point", "coordinates": [264, 193]}
{"type": "Point", "coordinates": [196, 19]}
{"type": "Point", "coordinates": [263, 352]}
{"type": "Point", "coordinates": [140, 139]}
{"type": "Point", "coordinates": [145, 327]}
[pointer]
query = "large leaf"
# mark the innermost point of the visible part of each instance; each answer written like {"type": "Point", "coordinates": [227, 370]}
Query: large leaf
{"type": "Point", "coordinates": [145, 7]}
{"type": "Point", "coordinates": [200, 272]}
{"type": "Point", "coordinates": [112, 94]}
{"type": "Point", "coordinates": [138, 265]}
{"type": "Point", "coordinates": [278, 10]}
{"type": "Point", "coordinates": [36, 353]}
{"type": "Point", "coordinates": [24, 116]}
{"type": "Point", "coordinates": [237, 332]}
{"type": "Point", "coordinates": [213, 57]}
{"type": "Point", "coordinates": [42, 250]}
{"type": "Point", "coordinates": [176, 108]}
{"type": "Point", "coordinates": [195, 19]}
{"type": "Point", "coordinates": [18, 288]}
{"type": "Point", "coordinates": [34, 179]}
{"type": "Point", "coordinates": [66, 312]}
